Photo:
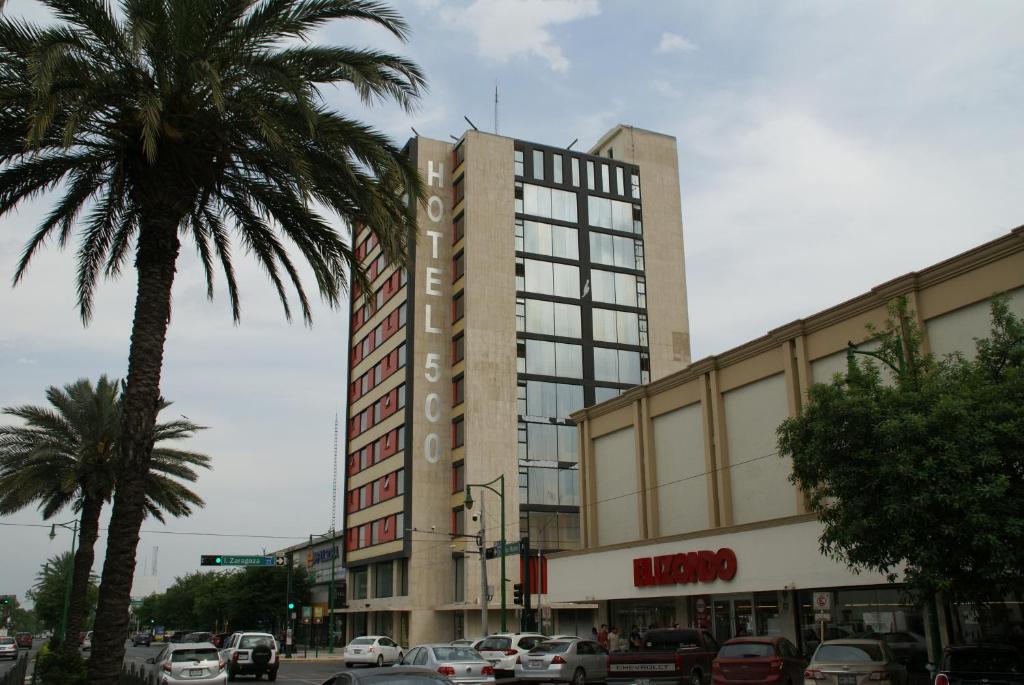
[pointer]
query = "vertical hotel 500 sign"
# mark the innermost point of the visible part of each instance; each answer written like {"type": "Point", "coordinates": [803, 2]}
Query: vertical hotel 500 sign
{"type": "Point", "coordinates": [435, 268]}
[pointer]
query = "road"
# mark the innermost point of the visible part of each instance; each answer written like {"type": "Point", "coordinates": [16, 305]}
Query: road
{"type": "Point", "coordinates": [7, 665]}
{"type": "Point", "coordinates": [290, 673]}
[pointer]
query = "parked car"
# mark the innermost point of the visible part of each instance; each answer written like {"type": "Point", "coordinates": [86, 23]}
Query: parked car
{"type": "Point", "coordinates": [470, 642]}
{"type": "Point", "coordinates": [565, 637]}
{"type": "Point", "coordinates": [460, 665]}
{"type": "Point", "coordinates": [406, 675]}
{"type": "Point", "coordinates": [758, 661]}
{"type": "Point", "coordinates": [968, 664]}
{"type": "Point", "coordinates": [855, 662]}
{"type": "Point", "coordinates": [24, 640]}
{"type": "Point", "coordinates": [87, 641]}
{"type": "Point", "coordinates": [194, 663]}
{"type": "Point", "coordinates": [251, 654]}
{"type": "Point", "coordinates": [373, 650]}
{"type": "Point", "coordinates": [503, 649]}
{"type": "Point", "coordinates": [142, 639]}
{"type": "Point", "coordinates": [666, 655]}
{"type": "Point", "coordinates": [8, 648]}
{"type": "Point", "coordinates": [812, 637]}
{"type": "Point", "coordinates": [567, 661]}
{"type": "Point", "coordinates": [200, 637]}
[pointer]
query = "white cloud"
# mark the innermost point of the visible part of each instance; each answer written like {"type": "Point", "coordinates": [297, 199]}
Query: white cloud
{"type": "Point", "coordinates": [509, 28]}
{"type": "Point", "coordinates": [671, 42]}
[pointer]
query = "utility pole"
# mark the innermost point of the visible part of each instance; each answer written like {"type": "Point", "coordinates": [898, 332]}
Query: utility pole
{"type": "Point", "coordinates": [526, 625]}
{"type": "Point", "coordinates": [288, 606]}
{"type": "Point", "coordinates": [482, 544]}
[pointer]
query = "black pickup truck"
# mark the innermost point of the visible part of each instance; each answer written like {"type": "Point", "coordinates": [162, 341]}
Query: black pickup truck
{"type": "Point", "coordinates": [671, 656]}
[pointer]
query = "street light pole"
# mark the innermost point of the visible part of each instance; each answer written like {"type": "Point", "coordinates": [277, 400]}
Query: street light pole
{"type": "Point", "coordinates": [484, 599]}
{"type": "Point", "coordinates": [73, 527]}
{"type": "Point", "coordinates": [468, 503]}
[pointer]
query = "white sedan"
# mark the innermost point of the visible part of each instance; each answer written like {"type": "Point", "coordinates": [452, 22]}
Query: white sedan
{"type": "Point", "coordinates": [375, 650]}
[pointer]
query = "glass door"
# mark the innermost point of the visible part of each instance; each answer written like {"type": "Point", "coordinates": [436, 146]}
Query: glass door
{"type": "Point", "coordinates": [722, 612]}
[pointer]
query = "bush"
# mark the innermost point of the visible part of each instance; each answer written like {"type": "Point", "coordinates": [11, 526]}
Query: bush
{"type": "Point", "coordinates": [59, 667]}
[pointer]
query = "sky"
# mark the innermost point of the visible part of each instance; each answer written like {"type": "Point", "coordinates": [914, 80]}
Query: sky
{"type": "Point", "coordinates": [824, 148]}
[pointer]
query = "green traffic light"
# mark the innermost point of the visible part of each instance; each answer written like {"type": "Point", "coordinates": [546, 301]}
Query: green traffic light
{"type": "Point", "coordinates": [291, 605]}
{"type": "Point", "coordinates": [217, 560]}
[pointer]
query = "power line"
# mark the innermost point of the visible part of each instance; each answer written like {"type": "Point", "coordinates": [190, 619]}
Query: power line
{"type": "Point", "coordinates": [178, 532]}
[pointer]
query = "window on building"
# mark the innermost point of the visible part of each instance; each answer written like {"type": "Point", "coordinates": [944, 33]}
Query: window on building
{"type": "Point", "coordinates": [616, 327]}
{"type": "Point", "coordinates": [617, 366]}
{"type": "Point", "coordinates": [614, 250]}
{"type": "Point", "coordinates": [383, 579]}
{"type": "Point", "coordinates": [458, 348]}
{"type": "Point", "coordinates": [548, 278]}
{"type": "Point", "coordinates": [605, 179]}
{"type": "Point", "coordinates": [458, 432]}
{"type": "Point", "coordinates": [538, 165]}
{"type": "Point", "coordinates": [620, 182]}
{"type": "Point", "coordinates": [543, 487]}
{"type": "Point", "coordinates": [459, 265]}
{"type": "Point", "coordinates": [635, 184]}
{"type": "Point", "coordinates": [460, 579]}
{"type": "Point", "coordinates": [459, 188]}
{"type": "Point", "coordinates": [554, 359]}
{"type": "Point", "coordinates": [613, 288]}
{"type": "Point", "coordinates": [549, 203]}
{"type": "Point", "coordinates": [402, 571]}
{"type": "Point", "coordinates": [458, 476]}
{"type": "Point", "coordinates": [359, 579]}
{"type": "Point", "coordinates": [546, 239]}
{"type": "Point", "coordinates": [556, 168]}
{"type": "Point", "coordinates": [458, 306]}
{"type": "Point", "coordinates": [458, 390]}
{"type": "Point", "coordinates": [518, 154]}
{"type": "Point", "coordinates": [590, 176]}
{"type": "Point", "coordinates": [551, 318]}
{"type": "Point", "coordinates": [617, 215]}
{"type": "Point", "coordinates": [603, 394]}
{"type": "Point", "coordinates": [552, 400]}
{"type": "Point", "coordinates": [575, 164]}
{"type": "Point", "coordinates": [458, 228]}
{"type": "Point", "coordinates": [458, 521]}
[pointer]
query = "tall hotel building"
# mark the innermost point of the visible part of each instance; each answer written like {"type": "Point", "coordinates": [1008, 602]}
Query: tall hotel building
{"type": "Point", "coordinates": [543, 280]}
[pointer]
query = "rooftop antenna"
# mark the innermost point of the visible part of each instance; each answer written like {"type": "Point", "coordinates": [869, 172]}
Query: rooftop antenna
{"type": "Point", "coordinates": [495, 106]}
{"type": "Point", "coordinates": [415, 131]}
{"type": "Point", "coordinates": [334, 487]}
{"type": "Point", "coordinates": [470, 122]}
{"type": "Point", "coordinates": [574, 141]}
{"type": "Point", "coordinates": [156, 553]}
{"type": "Point", "coordinates": [453, 137]}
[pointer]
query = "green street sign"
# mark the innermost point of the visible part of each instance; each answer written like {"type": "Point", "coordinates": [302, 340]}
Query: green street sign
{"type": "Point", "coordinates": [512, 548]}
{"type": "Point", "coordinates": [228, 560]}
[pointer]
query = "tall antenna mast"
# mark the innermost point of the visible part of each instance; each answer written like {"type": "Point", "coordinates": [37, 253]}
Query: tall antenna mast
{"type": "Point", "coordinates": [495, 107]}
{"type": "Point", "coordinates": [334, 486]}
{"type": "Point", "coordinates": [156, 553]}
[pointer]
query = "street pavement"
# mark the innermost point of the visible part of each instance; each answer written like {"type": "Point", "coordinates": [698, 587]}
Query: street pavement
{"type": "Point", "coordinates": [8, 664]}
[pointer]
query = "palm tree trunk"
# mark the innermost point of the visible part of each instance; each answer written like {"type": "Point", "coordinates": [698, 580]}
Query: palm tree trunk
{"type": "Point", "coordinates": [89, 525]}
{"type": "Point", "coordinates": [155, 259]}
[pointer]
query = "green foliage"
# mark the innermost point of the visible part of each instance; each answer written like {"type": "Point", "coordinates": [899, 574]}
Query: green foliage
{"type": "Point", "coordinates": [59, 667]}
{"type": "Point", "coordinates": [921, 472]}
{"type": "Point", "coordinates": [51, 584]}
{"type": "Point", "coordinates": [237, 599]}
{"type": "Point", "coordinates": [22, 619]}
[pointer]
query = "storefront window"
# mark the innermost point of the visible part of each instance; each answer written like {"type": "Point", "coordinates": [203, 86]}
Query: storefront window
{"type": "Point", "coordinates": [766, 609]}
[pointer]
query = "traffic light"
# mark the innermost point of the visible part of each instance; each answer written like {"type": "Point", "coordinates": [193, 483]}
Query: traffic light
{"type": "Point", "coordinates": [210, 560]}
{"type": "Point", "coordinates": [5, 599]}
{"type": "Point", "coordinates": [291, 606]}
{"type": "Point", "coordinates": [517, 593]}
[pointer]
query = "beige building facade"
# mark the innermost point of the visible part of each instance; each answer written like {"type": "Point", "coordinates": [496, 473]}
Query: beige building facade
{"type": "Point", "coordinates": [687, 509]}
{"type": "Point", "coordinates": [525, 299]}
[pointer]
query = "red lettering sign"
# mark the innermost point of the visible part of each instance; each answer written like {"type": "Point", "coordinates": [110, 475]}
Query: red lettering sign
{"type": "Point", "coordinates": [678, 569]}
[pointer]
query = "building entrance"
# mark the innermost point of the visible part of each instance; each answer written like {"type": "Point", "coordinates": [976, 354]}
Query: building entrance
{"type": "Point", "coordinates": [732, 617]}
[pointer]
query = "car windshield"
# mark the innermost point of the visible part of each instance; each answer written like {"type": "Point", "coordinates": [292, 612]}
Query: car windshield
{"type": "Point", "coordinates": [362, 641]}
{"type": "Point", "coordinates": [6, 640]}
{"type": "Point", "coordinates": [984, 661]}
{"type": "Point", "coordinates": [746, 650]}
{"type": "Point", "coordinates": [840, 653]}
{"type": "Point", "coordinates": [180, 655]}
{"type": "Point", "coordinates": [495, 644]}
{"type": "Point", "coordinates": [456, 654]}
{"type": "Point", "coordinates": [551, 648]}
{"type": "Point", "coordinates": [250, 641]}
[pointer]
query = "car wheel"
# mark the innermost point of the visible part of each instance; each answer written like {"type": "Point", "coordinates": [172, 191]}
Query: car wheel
{"type": "Point", "coordinates": [272, 676]}
{"type": "Point", "coordinates": [695, 678]}
{"type": "Point", "coordinates": [380, 661]}
{"type": "Point", "coordinates": [579, 677]}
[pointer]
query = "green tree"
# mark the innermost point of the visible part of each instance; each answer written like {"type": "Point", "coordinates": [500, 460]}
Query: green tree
{"type": "Point", "coordinates": [48, 592]}
{"type": "Point", "coordinates": [920, 472]}
{"type": "Point", "coordinates": [196, 119]}
{"type": "Point", "coordinates": [68, 454]}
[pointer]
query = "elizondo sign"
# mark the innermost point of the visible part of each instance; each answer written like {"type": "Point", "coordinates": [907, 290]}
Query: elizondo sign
{"type": "Point", "coordinates": [689, 567]}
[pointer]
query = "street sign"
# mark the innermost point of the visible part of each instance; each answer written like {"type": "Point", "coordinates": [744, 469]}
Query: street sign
{"type": "Point", "coordinates": [229, 560]}
{"type": "Point", "coordinates": [279, 560]}
{"type": "Point", "coordinates": [822, 617]}
{"type": "Point", "coordinates": [510, 548]}
{"type": "Point", "coordinates": [822, 601]}
{"type": "Point", "coordinates": [136, 603]}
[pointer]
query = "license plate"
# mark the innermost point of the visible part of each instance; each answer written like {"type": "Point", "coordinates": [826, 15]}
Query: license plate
{"type": "Point", "coordinates": [536, 664]}
{"type": "Point", "coordinates": [847, 679]}
{"type": "Point", "coordinates": [195, 672]}
{"type": "Point", "coordinates": [357, 651]}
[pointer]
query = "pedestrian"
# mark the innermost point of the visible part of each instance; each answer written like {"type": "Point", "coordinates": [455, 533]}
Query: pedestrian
{"type": "Point", "coordinates": [613, 639]}
{"type": "Point", "coordinates": [602, 636]}
{"type": "Point", "coordinates": [593, 633]}
{"type": "Point", "coordinates": [635, 641]}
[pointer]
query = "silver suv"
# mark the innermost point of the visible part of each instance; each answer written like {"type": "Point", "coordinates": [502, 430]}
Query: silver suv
{"type": "Point", "coordinates": [251, 654]}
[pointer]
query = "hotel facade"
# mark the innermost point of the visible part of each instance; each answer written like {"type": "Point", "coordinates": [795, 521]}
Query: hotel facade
{"type": "Point", "coordinates": [543, 281]}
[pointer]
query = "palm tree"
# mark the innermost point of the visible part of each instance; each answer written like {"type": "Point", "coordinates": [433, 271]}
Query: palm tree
{"type": "Point", "coordinates": [204, 120]}
{"type": "Point", "coordinates": [51, 584]}
{"type": "Point", "coordinates": [68, 454]}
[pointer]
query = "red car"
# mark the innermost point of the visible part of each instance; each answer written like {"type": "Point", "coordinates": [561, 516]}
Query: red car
{"type": "Point", "coordinates": [758, 661]}
{"type": "Point", "coordinates": [24, 640]}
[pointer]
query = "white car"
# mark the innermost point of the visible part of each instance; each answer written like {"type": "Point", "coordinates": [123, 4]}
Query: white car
{"type": "Point", "coordinates": [8, 648]}
{"type": "Point", "coordinates": [251, 654]}
{"type": "Point", "coordinates": [375, 650]}
{"type": "Point", "coordinates": [503, 649]}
